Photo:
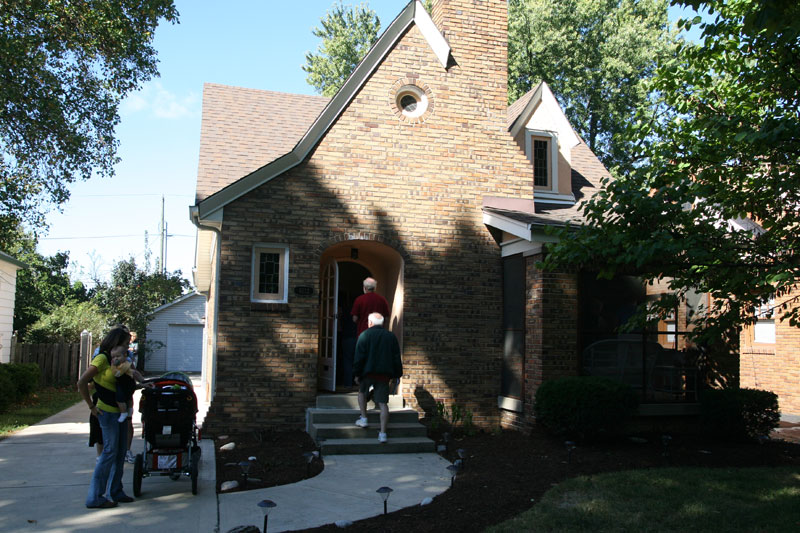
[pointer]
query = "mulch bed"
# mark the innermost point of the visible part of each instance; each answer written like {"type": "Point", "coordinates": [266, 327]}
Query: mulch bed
{"type": "Point", "coordinates": [504, 472]}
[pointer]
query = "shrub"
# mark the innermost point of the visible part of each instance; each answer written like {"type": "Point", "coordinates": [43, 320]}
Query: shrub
{"type": "Point", "coordinates": [739, 414]}
{"type": "Point", "coordinates": [584, 408]}
{"type": "Point", "coordinates": [24, 378]}
{"type": "Point", "coordinates": [8, 392]}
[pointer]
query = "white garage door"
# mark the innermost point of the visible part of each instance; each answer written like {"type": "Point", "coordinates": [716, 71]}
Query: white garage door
{"type": "Point", "coordinates": [185, 348]}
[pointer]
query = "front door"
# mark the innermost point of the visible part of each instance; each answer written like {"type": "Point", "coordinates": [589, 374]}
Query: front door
{"type": "Point", "coordinates": [329, 284]}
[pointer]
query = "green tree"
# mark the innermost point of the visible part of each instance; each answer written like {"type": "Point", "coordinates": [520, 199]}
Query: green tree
{"type": "Point", "coordinates": [66, 322]}
{"type": "Point", "coordinates": [133, 293]}
{"type": "Point", "coordinates": [595, 55]}
{"type": "Point", "coordinates": [66, 66]}
{"type": "Point", "coordinates": [42, 287]}
{"type": "Point", "coordinates": [725, 147]}
{"type": "Point", "coordinates": [347, 34]}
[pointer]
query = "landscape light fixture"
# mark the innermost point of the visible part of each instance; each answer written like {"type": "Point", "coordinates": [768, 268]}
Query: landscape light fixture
{"type": "Point", "coordinates": [665, 440]}
{"type": "Point", "coordinates": [462, 454]}
{"type": "Point", "coordinates": [453, 469]}
{"type": "Point", "coordinates": [570, 448]}
{"type": "Point", "coordinates": [266, 506]}
{"type": "Point", "coordinates": [245, 466]}
{"type": "Point", "coordinates": [309, 459]}
{"type": "Point", "coordinates": [384, 492]}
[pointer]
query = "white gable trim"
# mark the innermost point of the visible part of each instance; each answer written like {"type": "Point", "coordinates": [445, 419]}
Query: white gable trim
{"type": "Point", "coordinates": [413, 13]}
{"type": "Point", "coordinates": [173, 302]}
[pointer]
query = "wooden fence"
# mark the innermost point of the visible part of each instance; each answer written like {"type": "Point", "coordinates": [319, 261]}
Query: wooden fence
{"type": "Point", "coordinates": [58, 363]}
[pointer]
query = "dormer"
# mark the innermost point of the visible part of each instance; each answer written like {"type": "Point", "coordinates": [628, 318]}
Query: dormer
{"type": "Point", "coordinates": [543, 132]}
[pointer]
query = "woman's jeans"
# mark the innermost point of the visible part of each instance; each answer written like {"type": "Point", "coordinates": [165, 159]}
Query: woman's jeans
{"type": "Point", "coordinates": [107, 477]}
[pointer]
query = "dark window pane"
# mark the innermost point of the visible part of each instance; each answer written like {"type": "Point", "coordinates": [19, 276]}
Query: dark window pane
{"type": "Point", "coordinates": [540, 163]}
{"type": "Point", "coordinates": [269, 273]}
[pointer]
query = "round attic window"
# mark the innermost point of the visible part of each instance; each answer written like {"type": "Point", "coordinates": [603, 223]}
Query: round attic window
{"type": "Point", "coordinates": [411, 101]}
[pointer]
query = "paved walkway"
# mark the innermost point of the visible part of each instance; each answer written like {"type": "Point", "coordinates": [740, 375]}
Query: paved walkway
{"type": "Point", "coordinates": [45, 471]}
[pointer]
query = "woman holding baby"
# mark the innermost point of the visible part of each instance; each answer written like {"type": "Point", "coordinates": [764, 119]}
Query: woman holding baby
{"type": "Point", "coordinates": [105, 490]}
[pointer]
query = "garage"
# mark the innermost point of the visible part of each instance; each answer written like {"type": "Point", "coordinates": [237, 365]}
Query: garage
{"type": "Point", "coordinates": [174, 339]}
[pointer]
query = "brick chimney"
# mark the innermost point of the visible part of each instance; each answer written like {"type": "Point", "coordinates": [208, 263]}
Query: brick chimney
{"type": "Point", "coordinates": [477, 31]}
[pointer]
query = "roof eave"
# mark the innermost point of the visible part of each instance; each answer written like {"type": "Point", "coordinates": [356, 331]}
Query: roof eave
{"type": "Point", "coordinates": [414, 12]}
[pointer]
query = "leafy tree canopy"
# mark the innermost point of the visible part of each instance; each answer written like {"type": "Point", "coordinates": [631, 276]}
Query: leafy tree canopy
{"type": "Point", "coordinates": [347, 34]}
{"type": "Point", "coordinates": [42, 287]}
{"type": "Point", "coordinates": [723, 151]}
{"type": "Point", "coordinates": [133, 293]}
{"type": "Point", "coordinates": [595, 55]}
{"type": "Point", "coordinates": [65, 68]}
{"type": "Point", "coordinates": [66, 322]}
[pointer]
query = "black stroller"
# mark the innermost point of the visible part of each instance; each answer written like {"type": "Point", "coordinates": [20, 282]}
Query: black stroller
{"type": "Point", "coordinates": [169, 429]}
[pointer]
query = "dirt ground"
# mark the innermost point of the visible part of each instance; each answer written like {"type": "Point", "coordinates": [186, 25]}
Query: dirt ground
{"type": "Point", "coordinates": [504, 472]}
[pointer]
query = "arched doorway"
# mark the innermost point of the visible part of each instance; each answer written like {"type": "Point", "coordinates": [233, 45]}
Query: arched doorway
{"type": "Point", "coordinates": [343, 268]}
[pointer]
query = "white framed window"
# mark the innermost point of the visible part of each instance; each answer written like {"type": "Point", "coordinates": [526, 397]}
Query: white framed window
{"type": "Point", "coordinates": [542, 150]}
{"type": "Point", "coordinates": [270, 273]}
{"type": "Point", "coordinates": [764, 328]}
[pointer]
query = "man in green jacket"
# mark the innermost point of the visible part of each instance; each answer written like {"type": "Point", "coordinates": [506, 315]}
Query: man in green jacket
{"type": "Point", "coordinates": [377, 362]}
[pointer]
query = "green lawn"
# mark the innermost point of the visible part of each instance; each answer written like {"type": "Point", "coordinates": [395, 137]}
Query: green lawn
{"type": "Point", "coordinates": [41, 404]}
{"type": "Point", "coordinates": [670, 499]}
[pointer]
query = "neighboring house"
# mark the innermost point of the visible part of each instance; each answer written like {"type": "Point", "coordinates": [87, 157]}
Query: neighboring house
{"type": "Point", "coordinates": [769, 355]}
{"type": "Point", "coordinates": [419, 174]}
{"type": "Point", "coordinates": [175, 335]}
{"type": "Point", "coordinates": [8, 287]}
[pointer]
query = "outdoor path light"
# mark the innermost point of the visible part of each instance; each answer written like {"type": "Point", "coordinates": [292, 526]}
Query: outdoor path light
{"type": "Point", "coordinates": [570, 448]}
{"type": "Point", "coordinates": [266, 507]}
{"type": "Point", "coordinates": [245, 466]}
{"type": "Point", "coordinates": [384, 492]}
{"type": "Point", "coordinates": [453, 469]}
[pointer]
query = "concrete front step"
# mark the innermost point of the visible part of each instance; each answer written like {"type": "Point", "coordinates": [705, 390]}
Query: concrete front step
{"type": "Point", "coordinates": [350, 401]}
{"type": "Point", "coordinates": [371, 445]}
{"type": "Point", "coordinates": [351, 431]}
{"type": "Point", "coordinates": [349, 416]}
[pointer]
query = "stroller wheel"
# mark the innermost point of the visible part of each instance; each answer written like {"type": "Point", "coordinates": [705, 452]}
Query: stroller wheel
{"type": "Point", "coordinates": [193, 473]}
{"type": "Point", "coordinates": [138, 467]}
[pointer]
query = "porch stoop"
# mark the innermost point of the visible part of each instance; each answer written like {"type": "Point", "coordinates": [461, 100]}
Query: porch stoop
{"type": "Point", "coordinates": [332, 426]}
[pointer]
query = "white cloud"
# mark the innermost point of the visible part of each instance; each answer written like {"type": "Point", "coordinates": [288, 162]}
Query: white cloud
{"type": "Point", "coordinates": [158, 102]}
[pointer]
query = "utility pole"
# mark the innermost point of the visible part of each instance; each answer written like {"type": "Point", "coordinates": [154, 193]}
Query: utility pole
{"type": "Point", "coordinates": [163, 238]}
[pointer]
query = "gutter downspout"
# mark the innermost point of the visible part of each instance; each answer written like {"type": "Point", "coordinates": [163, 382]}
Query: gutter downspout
{"type": "Point", "coordinates": [194, 216]}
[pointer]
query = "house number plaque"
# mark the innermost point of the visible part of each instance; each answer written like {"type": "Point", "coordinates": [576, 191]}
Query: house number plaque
{"type": "Point", "coordinates": [304, 291]}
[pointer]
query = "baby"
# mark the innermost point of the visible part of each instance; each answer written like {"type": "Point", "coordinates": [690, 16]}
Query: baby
{"type": "Point", "coordinates": [124, 373]}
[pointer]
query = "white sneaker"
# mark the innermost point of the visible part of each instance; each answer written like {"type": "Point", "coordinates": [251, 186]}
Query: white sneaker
{"type": "Point", "coordinates": [382, 438]}
{"type": "Point", "coordinates": [129, 458]}
{"type": "Point", "coordinates": [362, 422]}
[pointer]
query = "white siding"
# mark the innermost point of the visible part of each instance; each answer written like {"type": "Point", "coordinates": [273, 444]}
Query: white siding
{"type": "Point", "coordinates": [187, 312]}
{"type": "Point", "coordinates": [8, 286]}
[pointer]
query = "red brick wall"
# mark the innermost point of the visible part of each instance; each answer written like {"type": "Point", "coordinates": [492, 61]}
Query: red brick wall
{"type": "Point", "coordinates": [774, 367]}
{"type": "Point", "coordinates": [416, 187]}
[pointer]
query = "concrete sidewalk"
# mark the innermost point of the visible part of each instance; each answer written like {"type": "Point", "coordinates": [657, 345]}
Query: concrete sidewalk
{"type": "Point", "coordinates": [45, 471]}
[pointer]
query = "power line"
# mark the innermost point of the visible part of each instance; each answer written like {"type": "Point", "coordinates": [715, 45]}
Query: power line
{"type": "Point", "coordinates": [106, 237]}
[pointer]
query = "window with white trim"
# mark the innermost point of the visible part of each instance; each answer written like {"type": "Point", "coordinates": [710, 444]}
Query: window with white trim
{"type": "Point", "coordinates": [542, 150]}
{"type": "Point", "coordinates": [270, 273]}
{"type": "Point", "coordinates": [764, 329]}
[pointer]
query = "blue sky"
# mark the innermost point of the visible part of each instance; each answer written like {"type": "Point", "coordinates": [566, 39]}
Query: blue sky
{"type": "Point", "coordinates": [246, 43]}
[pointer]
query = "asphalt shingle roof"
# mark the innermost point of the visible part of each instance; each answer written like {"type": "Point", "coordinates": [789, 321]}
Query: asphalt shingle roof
{"type": "Point", "coordinates": [244, 129]}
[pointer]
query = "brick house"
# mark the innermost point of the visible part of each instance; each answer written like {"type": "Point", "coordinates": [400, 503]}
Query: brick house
{"type": "Point", "coordinates": [769, 356]}
{"type": "Point", "coordinates": [418, 173]}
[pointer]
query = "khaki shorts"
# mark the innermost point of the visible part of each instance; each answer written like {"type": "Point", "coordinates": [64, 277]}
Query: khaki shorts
{"type": "Point", "coordinates": [380, 388]}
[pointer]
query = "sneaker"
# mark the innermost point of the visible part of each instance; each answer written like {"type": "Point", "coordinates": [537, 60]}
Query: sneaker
{"type": "Point", "coordinates": [129, 457]}
{"type": "Point", "coordinates": [382, 438]}
{"type": "Point", "coordinates": [124, 499]}
{"type": "Point", "coordinates": [362, 422]}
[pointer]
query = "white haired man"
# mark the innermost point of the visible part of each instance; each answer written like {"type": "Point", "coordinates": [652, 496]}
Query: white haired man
{"type": "Point", "coordinates": [377, 362]}
{"type": "Point", "coordinates": [369, 302]}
